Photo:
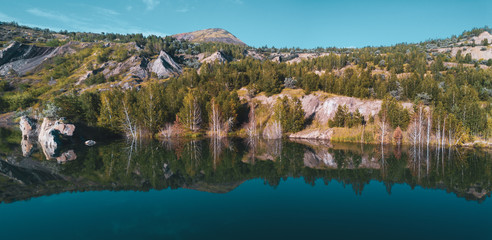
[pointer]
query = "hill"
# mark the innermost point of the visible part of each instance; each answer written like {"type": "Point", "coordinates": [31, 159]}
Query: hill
{"type": "Point", "coordinates": [90, 77]}
{"type": "Point", "coordinates": [210, 35]}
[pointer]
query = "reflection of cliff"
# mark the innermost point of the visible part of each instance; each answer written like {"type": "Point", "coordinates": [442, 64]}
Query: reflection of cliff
{"type": "Point", "coordinates": [27, 147]}
{"type": "Point", "coordinates": [321, 159]}
{"type": "Point", "coordinates": [28, 172]}
{"type": "Point", "coordinates": [214, 188]}
{"type": "Point", "coordinates": [222, 166]}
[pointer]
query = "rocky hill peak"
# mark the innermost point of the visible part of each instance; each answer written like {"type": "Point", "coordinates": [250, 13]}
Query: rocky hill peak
{"type": "Point", "coordinates": [210, 35]}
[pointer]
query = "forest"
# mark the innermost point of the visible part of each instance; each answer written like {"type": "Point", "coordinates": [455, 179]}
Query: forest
{"type": "Point", "coordinates": [451, 104]}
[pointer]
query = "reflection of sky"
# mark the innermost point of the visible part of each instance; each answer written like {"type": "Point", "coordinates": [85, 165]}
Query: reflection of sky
{"type": "Point", "coordinates": [280, 23]}
{"type": "Point", "coordinates": [294, 209]}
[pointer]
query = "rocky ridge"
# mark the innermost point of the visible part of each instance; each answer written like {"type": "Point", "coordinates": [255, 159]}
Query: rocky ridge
{"type": "Point", "coordinates": [210, 35]}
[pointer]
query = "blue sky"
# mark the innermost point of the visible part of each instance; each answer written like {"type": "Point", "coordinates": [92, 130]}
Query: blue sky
{"type": "Point", "coordinates": [285, 23]}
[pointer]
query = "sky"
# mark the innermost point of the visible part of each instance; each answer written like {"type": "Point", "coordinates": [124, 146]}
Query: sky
{"type": "Point", "coordinates": [279, 23]}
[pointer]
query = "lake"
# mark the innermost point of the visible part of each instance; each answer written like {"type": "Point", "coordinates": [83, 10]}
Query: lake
{"type": "Point", "coordinates": [243, 189]}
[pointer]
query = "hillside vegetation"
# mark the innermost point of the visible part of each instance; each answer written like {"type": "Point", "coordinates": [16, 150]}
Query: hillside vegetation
{"type": "Point", "coordinates": [152, 86]}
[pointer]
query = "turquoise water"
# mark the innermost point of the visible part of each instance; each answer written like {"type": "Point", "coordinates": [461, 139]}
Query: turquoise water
{"type": "Point", "coordinates": [194, 190]}
{"type": "Point", "coordinates": [253, 210]}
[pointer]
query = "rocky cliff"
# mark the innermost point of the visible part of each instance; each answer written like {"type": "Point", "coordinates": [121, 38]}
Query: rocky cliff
{"type": "Point", "coordinates": [23, 58]}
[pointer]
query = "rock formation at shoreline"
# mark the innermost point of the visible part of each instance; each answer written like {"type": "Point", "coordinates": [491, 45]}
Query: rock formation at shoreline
{"type": "Point", "coordinates": [48, 135]}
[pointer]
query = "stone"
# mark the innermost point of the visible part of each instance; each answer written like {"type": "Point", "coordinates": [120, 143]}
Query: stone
{"type": "Point", "coordinates": [90, 143]}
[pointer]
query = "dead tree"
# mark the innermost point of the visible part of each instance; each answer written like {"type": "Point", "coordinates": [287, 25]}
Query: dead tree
{"type": "Point", "coordinates": [129, 126]}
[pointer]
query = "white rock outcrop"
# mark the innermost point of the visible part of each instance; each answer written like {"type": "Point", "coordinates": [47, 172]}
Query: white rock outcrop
{"type": "Point", "coordinates": [49, 135]}
{"type": "Point", "coordinates": [164, 66]}
{"type": "Point", "coordinates": [215, 57]}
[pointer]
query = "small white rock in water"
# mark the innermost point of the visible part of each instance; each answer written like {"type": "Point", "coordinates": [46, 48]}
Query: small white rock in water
{"type": "Point", "coordinates": [90, 143]}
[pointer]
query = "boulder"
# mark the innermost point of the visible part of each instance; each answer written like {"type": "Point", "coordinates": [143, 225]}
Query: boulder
{"type": "Point", "coordinates": [164, 66]}
{"type": "Point", "coordinates": [49, 135]}
{"type": "Point", "coordinates": [90, 143]}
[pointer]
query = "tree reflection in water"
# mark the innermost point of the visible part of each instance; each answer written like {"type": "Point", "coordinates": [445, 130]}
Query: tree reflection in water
{"type": "Point", "coordinates": [226, 163]}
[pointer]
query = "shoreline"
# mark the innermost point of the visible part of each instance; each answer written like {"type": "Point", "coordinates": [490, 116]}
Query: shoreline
{"type": "Point", "coordinates": [7, 120]}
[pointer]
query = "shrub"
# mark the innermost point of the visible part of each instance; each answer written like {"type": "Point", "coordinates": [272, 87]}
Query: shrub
{"type": "Point", "coordinates": [95, 79]}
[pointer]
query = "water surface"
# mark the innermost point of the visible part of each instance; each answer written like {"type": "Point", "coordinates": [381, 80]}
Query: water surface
{"type": "Point", "coordinates": [240, 189]}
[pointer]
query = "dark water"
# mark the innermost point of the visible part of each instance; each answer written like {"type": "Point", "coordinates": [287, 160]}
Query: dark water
{"type": "Point", "coordinates": [238, 189]}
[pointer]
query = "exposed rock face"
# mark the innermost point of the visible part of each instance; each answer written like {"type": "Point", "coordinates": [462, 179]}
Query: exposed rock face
{"type": "Point", "coordinates": [313, 134]}
{"type": "Point", "coordinates": [164, 66]}
{"type": "Point", "coordinates": [23, 58]}
{"type": "Point", "coordinates": [134, 66]}
{"type": "Point", "coordinates": [325, 110]}
{"type": "Point", "coordinates": [28, 127]}
{"type": "Point", "coordinates": [216, 57]}
{"type": "Point", "coordinates": [477, 52]}
{"type": "Point", "coordinates": [49, 135]}
{"type": "Point", "coordinates": [254, 55]}
{"type": "Point", "coordinates": [322, 108]}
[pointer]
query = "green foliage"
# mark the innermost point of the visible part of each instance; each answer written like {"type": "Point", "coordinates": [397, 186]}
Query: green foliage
{"type": "Point", "coordinates": [191, 113]}
{"type": "Point", "coordinates": [4, 106]}
{"type": "Point", "coordinates": [104, 55]}
{"type": "Point", "coordinates": [20, 101]}
{"type": "Point", "coordinates": [271, 81]}
{"type": "Point", "coordinates": [121, 55]}
{"type": "Point", "coordinates": [20, 39]}
{"type": "Point", "coordinates": [95, 79]}
{"type": "Point", "coordinates": [151, 107]}
{"type": "Point", "coordinates": [4, 86]}
{"type": "Point", "coordinates": [54, 43]}
{"type": "Point", "coordinates": [229, 106]}
{"type": "Point", "coordinates": [465, 92]}
{"type": "Point", "coordinates": [290, 114]}
{"type": "Point", "coordinates": [110, 116]}
{"type": "Point", "coordinates": [70, 107]}
{"type": "Point", "coordinates": [91, 107]}
{"type": "Point", "coordinates": [344, 118]}
{"type": "Point", "coordinates": [396, 115]}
